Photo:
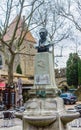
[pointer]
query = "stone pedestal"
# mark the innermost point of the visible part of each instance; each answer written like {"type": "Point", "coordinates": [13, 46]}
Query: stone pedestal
{"type": "Point", "coordinates": [45, 110]}
{"type": "Point", "coordinates": [44, 77]}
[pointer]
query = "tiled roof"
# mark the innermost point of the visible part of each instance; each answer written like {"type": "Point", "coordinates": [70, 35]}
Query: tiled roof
{"type": "Point", "coordinates": [11, 28]}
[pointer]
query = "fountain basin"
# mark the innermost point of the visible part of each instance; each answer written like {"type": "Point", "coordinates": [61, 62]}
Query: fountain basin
{"type": "Point", "coordinates": [40, 121]}
{"type": "Point", "coordinates": [69, 116]}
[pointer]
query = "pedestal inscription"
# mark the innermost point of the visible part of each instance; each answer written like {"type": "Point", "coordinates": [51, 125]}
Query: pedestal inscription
{"type": "Point", "coordinates": [44, 71]}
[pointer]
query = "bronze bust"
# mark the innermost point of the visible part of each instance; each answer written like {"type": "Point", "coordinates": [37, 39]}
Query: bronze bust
{"type": "Point", "coordinates": [43, 45]}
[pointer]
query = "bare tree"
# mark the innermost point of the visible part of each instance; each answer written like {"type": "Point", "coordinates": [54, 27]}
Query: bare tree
{"type": "Point", "coordinates": [72, 12]}
{"type": "Point", "coordinates": [57, 27]}
{"type": "Point", "coordinates": [11, 47]}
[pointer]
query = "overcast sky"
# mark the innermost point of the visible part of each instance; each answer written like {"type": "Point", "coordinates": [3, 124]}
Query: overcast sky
{"type": "Point", "coordinates": [67, 45]}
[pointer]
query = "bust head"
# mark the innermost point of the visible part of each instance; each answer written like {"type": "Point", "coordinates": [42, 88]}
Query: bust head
{"type": "Point", "coordinates": [43, 33]}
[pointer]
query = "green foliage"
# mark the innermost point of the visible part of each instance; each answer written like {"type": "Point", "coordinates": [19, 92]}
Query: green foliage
{"type": "Point", "coordinates": [73, 70]}
{"type": "Point", "coordinates": [18, 70]}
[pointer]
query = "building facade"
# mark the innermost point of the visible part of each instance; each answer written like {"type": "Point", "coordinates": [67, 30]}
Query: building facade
{"type": "Point", "coordinates": [26, 58]}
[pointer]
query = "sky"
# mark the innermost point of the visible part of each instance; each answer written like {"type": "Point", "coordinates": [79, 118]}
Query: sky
{"type": "Point", "coordinates": [68, 45]}
{"type": "Point", "coordinates": [60, 61]}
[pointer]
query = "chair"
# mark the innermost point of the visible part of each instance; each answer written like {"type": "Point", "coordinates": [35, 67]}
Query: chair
{"type": "Point", "coordinates": [8, 118]}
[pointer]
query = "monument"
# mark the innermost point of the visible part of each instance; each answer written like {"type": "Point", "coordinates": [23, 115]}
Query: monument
{"type": "Point", "coordinates": [45, 110]}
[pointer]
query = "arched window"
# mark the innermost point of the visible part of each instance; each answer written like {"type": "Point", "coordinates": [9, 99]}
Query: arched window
{"type": "Point", "coordinates": [18, 69]}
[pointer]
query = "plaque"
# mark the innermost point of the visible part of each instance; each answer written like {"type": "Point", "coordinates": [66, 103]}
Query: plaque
{"type": "Point", "coordinates": [42, 79]}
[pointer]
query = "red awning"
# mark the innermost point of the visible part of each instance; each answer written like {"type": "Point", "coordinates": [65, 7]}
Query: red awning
{"type": "Point", "coordinates": [2, 85]}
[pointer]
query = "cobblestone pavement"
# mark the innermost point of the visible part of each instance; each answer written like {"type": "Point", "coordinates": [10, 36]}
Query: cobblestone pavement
{"type": "Point", "coordinates": [76, 123]}
{"type": "Point", "coordinates": [14, 124]}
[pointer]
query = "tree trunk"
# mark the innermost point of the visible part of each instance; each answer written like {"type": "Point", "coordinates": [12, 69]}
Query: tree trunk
{"type": "Point", "coordinates": [10, 69]}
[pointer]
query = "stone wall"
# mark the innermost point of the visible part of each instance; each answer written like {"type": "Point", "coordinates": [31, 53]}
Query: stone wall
{"type": "Point", "coordinates": [60, 77]}
{"type": "Point", "coordinates": [60, 73]}
{"type": "Point", "coordinates": [27, 59]}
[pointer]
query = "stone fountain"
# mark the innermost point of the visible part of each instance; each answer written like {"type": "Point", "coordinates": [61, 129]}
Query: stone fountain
{"type": "Point", "coordinates": [45, 110]}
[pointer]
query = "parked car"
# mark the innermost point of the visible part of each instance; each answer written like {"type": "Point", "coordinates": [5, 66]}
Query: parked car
{"type": "Point", "coordinates": [78, 108]}
{"type": "Point", "coordinates": [72, 90]}
{"type": "Point", "coordinates": [69, 98]}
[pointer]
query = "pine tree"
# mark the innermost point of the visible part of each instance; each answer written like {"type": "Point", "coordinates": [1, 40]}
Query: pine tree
{"type": "Point", "coordinates": [73, 70]}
